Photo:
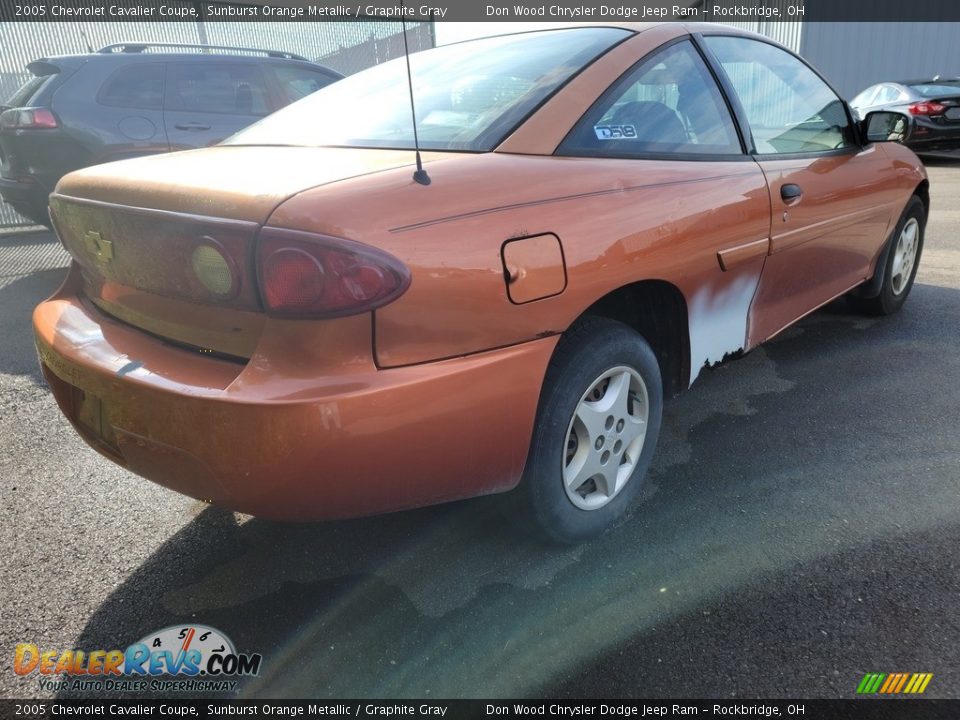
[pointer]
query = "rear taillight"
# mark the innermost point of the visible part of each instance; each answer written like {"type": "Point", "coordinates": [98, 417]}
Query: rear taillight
{"type": "Point", "coordinates": [307, 275]}
{"type": "Point", "coordinates": [28, 118]}
{"type": "Point", "coordinates": [927, 108]}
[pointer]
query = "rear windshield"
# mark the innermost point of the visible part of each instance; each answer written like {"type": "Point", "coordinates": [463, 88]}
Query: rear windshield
{"type": "Point", "coordinates": [29, 90]}
{"type": "Point", "coordinates": [938, 89]}
{"type": "Point", "coordinates": [468, 95]}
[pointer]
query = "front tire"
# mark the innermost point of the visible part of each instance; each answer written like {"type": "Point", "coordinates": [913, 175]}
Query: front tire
{"type": "Point", "coordinates": [903, 259]}
{"type": "Point", "coordinates": [596, 431]}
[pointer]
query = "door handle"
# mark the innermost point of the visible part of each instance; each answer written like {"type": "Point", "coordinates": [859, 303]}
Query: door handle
{"type": "Point", "coordinates": [790, 192]}
{"type": "Point", "coordinates": [192, 126]}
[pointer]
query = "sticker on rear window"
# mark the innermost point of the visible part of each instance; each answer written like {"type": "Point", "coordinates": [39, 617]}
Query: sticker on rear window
{"type": "Point", "coordinates": [615, 132]}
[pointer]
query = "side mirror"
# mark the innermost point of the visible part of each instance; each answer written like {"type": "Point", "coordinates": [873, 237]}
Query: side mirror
{"type": "Point", "coordinates": [883, 126]}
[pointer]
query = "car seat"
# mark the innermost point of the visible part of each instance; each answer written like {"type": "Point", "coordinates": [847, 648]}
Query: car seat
{"type": "Point", "coordinates": [654, 122]}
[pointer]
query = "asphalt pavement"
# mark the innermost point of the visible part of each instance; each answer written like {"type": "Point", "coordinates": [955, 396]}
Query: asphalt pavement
{"type": "Point", "coordinates": [800, 527]}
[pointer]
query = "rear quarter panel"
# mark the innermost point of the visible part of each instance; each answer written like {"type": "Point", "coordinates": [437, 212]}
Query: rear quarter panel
{"type": "Point", "coordinates": [619, 221]}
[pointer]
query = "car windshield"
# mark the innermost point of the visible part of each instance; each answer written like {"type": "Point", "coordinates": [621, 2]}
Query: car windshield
{"type": "Point", "coordinates": [937, 89]}
{"type": "Point", "coordinates": [469, 96]}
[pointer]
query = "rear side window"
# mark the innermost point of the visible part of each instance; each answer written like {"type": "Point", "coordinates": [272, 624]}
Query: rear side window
{"type": "Point", "coordinates": [669, 103]}
{"type": "Point", "coordinates": [865, 99]}
{"type": "Point", "coordinates": [297, 82]}
{"type": "Point", "coordinates": [231, 88]}
{"type": "Point", "coordinates": [135, 86]}
{"type": "Point", "coordinates": [788, 107]}
{"type": "Point", "coordinates": [887, 94]}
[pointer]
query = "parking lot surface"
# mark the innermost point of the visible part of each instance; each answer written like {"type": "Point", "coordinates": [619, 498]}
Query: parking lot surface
{"type": "Point", "coordinates": [800, 527]}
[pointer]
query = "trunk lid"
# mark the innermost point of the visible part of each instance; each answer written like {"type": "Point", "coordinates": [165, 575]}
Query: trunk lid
{"type": "Point", "coordinates": [225, 182]}
{"type": "Point", "coordinates": [942, 91]}
{"type": "Point", "coordinates": [166, 243]}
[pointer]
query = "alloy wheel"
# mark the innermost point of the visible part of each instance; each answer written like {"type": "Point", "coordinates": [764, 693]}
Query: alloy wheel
{"type": "Point", "coordinates": [904, 256]}
{"type": "Point", "coordinates": [605, 438]}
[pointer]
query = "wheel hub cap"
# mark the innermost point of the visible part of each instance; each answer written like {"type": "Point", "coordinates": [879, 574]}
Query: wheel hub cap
{"type": "Point", "coordinates": [905, 256]}
{"type": "Point", "coordinates": [605, 438]}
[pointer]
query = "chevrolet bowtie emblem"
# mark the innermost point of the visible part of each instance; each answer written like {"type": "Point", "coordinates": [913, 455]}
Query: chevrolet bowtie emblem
{"type": "Point", "coordinates": [100, 247]}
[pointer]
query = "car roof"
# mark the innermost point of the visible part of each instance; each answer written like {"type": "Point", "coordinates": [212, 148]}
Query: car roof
{"type": "Point", "coordinates": [640, 27]}
{"type": "Point", "coordinates": [927, 81]}
{"type": "Point", "coordinates": [119, 57]}
{"type": "Point", "coordinates": [189, 53]}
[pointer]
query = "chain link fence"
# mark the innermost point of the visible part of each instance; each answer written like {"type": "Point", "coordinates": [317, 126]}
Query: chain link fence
{"type": "Point", "coordinates": [345, 46]}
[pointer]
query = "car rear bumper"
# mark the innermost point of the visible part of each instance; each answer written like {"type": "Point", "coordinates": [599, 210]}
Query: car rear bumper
{"type": "Point", "coordinates": [285, 443]}
{"type": "Point", "coordinates": [927, 136]}
{"type": "Point", "coordinates": [27, 197]}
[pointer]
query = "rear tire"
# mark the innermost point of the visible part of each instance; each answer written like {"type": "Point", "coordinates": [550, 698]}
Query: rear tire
{"type": "Point", "coordinates": [596, 431]}
{"type": "Point", "coordinates": [903, 259]}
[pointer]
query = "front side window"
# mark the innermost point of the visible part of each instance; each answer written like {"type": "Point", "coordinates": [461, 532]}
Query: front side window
{"type": "Point", "coordinates": [231, 88]}
{"type": "Point", "coordinates": [135, 86]}
{"type": "Point", "coordinates": [468, 95]}
{"type": "Point", "coordinates": [788, 107]}
{"type": "Point", "coordinates": [669, 103]}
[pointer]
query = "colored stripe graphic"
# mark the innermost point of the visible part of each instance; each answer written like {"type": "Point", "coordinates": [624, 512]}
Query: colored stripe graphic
{"type": "Point", "coordinates": [890, 681]}
{"type": "Point", "coordinates": [900, 683]}
{"type": "Point", "coordinates": [894, 683]}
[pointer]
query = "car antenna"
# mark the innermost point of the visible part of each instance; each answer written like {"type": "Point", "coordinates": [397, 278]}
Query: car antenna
{"type": "Point", "coordinates": [85, 40]}
{"type": "Point", "coordinates": [419, 175]}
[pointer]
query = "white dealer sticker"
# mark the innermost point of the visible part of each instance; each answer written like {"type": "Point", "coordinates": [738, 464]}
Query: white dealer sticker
{"type": "Point", "coordinates": [615, 132]}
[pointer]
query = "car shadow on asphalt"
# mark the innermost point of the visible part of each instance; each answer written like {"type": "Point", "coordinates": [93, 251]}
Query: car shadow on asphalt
{"type": "Point", "coordinates": [18, 297]}
{"type": "Point", "coordinates": [769, 464]}
{"type": "Point", "coordinates": [813, 631]}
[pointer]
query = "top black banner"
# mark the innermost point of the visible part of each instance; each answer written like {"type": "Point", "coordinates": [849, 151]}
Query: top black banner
{"type": "Point", "coordinates": [482, 10]}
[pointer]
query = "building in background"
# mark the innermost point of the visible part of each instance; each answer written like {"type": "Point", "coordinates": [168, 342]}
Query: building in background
{"type": "Point", "coordinates": [344, 46]}
{"type": "Point", "coordinates": [853, 56]}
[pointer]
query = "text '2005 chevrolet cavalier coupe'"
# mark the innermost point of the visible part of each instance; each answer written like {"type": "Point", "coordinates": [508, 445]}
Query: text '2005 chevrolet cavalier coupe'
{"type": "Point", "coordinates": [295, 324]}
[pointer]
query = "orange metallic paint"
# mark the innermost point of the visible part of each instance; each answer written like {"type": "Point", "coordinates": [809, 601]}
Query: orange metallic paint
{"type": "Point", "coordinates": [826, 242]}
{"type": "Point", "coordinates": [533, 268]}
{"type": "Point", "coordinates": [310, 428]}
{"type": "Point", "coordinates": [732, 256]}
{"type": "Point", "coordinates": [433, 396]}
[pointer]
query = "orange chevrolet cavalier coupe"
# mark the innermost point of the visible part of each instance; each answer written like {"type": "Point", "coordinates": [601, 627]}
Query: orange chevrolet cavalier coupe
{"type": "Point", "coordinates": [297, 325]}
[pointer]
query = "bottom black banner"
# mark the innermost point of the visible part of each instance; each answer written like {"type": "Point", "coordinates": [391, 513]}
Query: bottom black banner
{"type": "Point", "coordinates": [887, 709]}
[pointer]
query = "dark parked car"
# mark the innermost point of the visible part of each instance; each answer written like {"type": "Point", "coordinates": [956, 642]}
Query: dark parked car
{"type": "Point", "coordinates": [137, 99]}
{"type": "Point", "coordinates": [931, 106]}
